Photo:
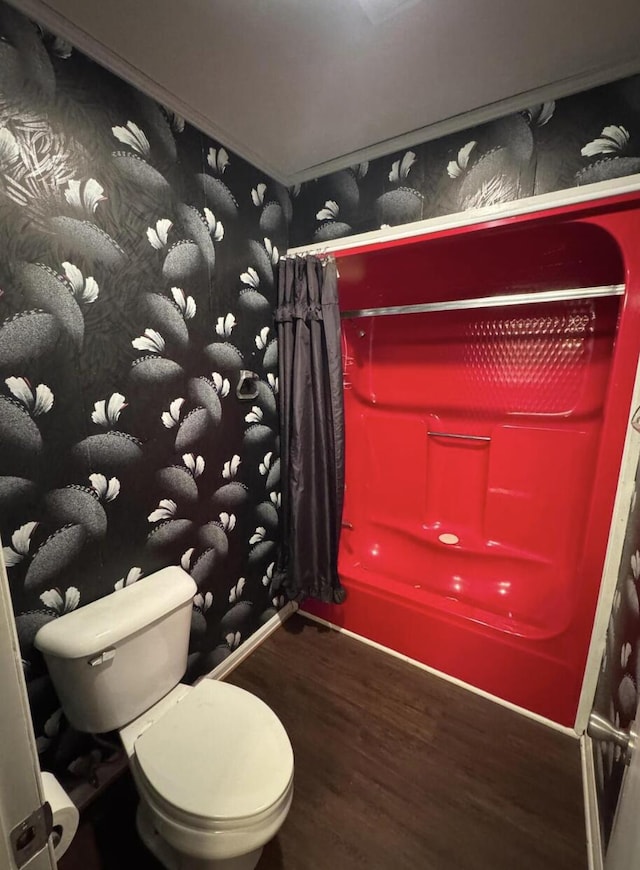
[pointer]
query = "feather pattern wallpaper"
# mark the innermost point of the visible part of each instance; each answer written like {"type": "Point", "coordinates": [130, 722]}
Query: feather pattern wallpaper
{"type": "Point", "coordinates": [136, 289]}
{"type": "Point", "coordinates": [589, 137]}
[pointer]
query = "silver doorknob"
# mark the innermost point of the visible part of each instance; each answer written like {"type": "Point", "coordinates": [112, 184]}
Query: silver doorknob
{"type": "Point", "coordinates": [600, 728]}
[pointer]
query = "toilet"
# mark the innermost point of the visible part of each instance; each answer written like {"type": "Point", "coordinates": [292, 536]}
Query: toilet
{"type": "Point", "coordinates": [212, 764]}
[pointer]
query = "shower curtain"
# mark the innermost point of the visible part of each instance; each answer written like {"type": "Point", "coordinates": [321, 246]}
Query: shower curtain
{"type": "Point", "coordinates": [312, 427]}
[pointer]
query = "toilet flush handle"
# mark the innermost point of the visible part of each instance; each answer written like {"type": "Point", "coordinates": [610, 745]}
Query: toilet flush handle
{"type": "Point", "coordinates": [101, 659]}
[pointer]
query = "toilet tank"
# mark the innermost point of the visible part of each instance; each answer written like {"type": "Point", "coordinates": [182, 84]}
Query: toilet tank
{"type": "Point", "coordinates": [114, 658]}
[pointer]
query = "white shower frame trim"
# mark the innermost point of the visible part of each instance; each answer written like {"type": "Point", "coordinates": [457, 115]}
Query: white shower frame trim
{"type": "Point", "coordinates": [522, 207]}
{"type": "Point", "coordinates": [612, 562]}
{"type": "Point", "coordinates": [527, 206]}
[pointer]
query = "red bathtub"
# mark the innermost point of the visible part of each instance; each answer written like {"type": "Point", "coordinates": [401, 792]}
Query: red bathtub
{"type": "Point", "coordinates": [483, 445]}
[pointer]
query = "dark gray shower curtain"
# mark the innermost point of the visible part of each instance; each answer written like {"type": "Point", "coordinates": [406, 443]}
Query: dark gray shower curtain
{"type": "Point", "coordinates": [312, 427]}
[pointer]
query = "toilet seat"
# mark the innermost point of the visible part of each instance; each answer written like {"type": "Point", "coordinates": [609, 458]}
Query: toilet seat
{"type": "Point", "coordinates": [217, 839]}
{"type": "Point", "coordinates": [218, 759]}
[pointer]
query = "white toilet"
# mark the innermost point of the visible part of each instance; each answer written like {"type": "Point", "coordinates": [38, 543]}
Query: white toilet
{"type": "Point", "coordinates": [212, 764]}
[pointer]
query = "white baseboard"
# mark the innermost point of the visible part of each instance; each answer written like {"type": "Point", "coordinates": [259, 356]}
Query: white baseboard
{"type": "Point", "coordinates": [569, 732]}
{"type": "Point", "coordinates": [591, 816]}
{"type": "Point", "coordinates": [221, 671]}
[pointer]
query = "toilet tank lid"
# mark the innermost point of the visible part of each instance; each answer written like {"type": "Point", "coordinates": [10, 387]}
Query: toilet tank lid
{"type": "Point", "coordinates": [107, 621]}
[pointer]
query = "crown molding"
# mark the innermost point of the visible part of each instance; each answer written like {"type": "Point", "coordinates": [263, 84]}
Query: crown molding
{"type": "Point", "coordinates": [44, 14]}
{"type": "Point", "coordinates": [466, 120]}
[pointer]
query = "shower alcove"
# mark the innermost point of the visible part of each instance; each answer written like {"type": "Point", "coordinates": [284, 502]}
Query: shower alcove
{"type": "Point", "coordinates": [488, 377]}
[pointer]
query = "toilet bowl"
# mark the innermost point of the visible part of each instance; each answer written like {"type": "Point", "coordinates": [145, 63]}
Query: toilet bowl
{"type": "Point", "coordinates": [213, 767]}
{"type": "Point", "coordinates": [212, 764]}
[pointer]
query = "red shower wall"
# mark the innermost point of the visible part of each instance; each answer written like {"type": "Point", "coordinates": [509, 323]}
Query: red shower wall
{"type": "Point", "coordinates": [505, 600]}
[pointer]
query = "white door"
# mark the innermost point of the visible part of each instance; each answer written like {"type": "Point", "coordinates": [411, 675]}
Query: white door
{"type": "Point", "coordinates": [623, 852]}
{"type": "Point", "coordinates": [20, 784]}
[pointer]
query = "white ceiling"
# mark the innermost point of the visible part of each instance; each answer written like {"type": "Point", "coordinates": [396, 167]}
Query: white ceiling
{"type": "Point", "coordinates": [302, 87]}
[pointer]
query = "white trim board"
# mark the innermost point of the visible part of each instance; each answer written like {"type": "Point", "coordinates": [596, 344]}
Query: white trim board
{"type": "Point", "coordinates": [613, 557]}
{"type": "Point", "coordinates": [22, 790]}
{"type": "Point", "coordinates": [591, 814]}
{"type": "Point", "coordinates": [631, 453]}
{"type": "Point", "coordinates": [251, 644]}
{"type": "Point", "coordinates": [569, 732]}
{"type": "Point", "coordinates": [516, 208]}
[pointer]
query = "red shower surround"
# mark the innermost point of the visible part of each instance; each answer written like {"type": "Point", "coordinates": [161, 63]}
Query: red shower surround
{"type": "Point", "coordinates": [483, 558]}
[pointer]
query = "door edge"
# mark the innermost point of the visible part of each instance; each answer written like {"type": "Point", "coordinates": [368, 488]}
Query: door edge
{"type": "Point", "coordinates": [591, 816]}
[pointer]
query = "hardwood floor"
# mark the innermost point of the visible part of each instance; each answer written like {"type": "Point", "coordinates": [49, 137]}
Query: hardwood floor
{"type": "Point", "coordinates": [400, 770]}
{"type": "Point", "coordinates": [395, 770]}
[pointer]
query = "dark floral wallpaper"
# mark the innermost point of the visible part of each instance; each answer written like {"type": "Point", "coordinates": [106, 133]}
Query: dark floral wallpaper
{"type": "Point", "coordinates": [137, 285]}
{"type": "Point", "coordinates": [136, 279]}
{"type": "Point", "coordinates": [593, 136]}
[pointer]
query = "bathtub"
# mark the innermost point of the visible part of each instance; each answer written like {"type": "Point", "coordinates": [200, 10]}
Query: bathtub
{"type": "Point", "coordinates": [483, 446]}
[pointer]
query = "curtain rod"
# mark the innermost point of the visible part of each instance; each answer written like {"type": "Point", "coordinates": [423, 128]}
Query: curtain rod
{"type": "Point", "coordinates": [490, 301]}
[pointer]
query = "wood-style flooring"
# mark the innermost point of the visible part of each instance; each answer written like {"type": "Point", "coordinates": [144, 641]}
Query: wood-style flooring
{"type": "Point", "coordinates": [395, 770]}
